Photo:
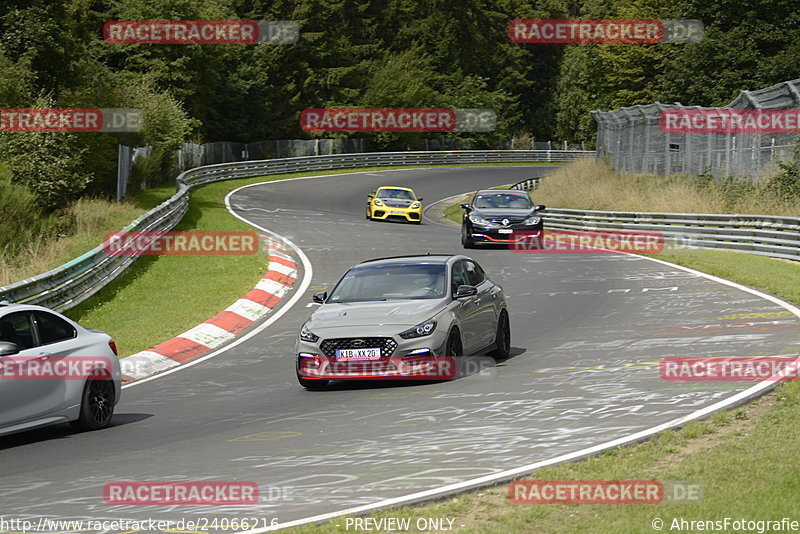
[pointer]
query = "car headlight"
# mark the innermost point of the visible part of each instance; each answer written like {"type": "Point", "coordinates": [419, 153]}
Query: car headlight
{"type": "Point", "coordinates": [422, 329]}
{"type": "Point", "coordinates": [532, 220]}
{"type": "Point", "coordinates": [378, 202]}
{"type": "Point", "coordinates": [415, 205]}
{"type": "Point", "coordinates": [480, 221]}
{"type": "Point", "coordinates": [307, 335]}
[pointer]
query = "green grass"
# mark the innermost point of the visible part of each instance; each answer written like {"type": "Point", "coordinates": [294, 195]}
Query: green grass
{"type": "Point", "coordinates": [778, 277]}
{"type": "Point", "coordinates": [454, 212]}
{"type": "Point", "coordinates": [160, 297]}
{"type": "Point", "coordinates": [39, 243]}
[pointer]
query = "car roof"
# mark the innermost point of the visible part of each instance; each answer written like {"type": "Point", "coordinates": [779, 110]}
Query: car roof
{"type": "Point", "coordinates": [6, 306]}
{"type": "Point", "coordinates": [495, 191]}
{"type": "Point", "coordinates": [395, 187]}
{"type": "Point", "coordinates": [415, 258]}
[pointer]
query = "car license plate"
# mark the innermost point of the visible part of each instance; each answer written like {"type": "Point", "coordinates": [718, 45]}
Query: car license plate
{"type": "Point", "coordinates": [505, 231]}
{"type": "Point", "coordinates": [355, 355]}
{"type": "Point", "coordinates": [397, 213]}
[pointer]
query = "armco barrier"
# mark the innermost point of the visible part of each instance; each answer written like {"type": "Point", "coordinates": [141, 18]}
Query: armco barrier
{"type": "Point", "coordinates": [767, 235]}
{"type": "Point", "coordinates": [79, 279]}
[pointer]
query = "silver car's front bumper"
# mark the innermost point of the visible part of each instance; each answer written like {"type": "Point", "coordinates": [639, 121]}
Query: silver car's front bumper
{"type": "Point", "coordinates": [418, 358]}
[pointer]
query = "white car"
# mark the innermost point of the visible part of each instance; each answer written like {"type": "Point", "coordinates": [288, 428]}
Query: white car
{"type": "Point", "coordinates": [52, 370]}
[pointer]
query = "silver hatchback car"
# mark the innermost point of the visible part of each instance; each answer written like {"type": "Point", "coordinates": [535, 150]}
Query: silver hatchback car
{"type": "Point", "coordinates": [389, 313]}
{"type": "Point", "coordinates": [52, 370]}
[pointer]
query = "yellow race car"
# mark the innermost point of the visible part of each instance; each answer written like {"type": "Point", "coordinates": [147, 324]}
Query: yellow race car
{"type": "Point", "coordinates": [395, 203]}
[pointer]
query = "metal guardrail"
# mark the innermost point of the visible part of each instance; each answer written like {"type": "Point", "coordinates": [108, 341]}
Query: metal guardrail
{"type": "Point", "coordinates": [72, 283]}
{"type": "Point", "coordinates": [528, 184]}
{"type": "Point", "coordinates": [766, 235]}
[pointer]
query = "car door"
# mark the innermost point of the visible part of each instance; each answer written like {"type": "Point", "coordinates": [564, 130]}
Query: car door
{"type": "Point", "coordinates": [486, 316]}
{"type": "Point", "coordinates": [467, 311]}
{"type": "Point", "coordinates": [23, 395]}
{"type": "Point", "coordinates": [58, 340]}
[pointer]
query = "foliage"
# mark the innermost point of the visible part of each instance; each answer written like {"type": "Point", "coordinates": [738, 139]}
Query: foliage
{"type": "Point", "coordinates": [369, 53]}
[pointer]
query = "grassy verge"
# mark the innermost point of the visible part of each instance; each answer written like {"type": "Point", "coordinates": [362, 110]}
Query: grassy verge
{"type": "Point", "coordinates": [454, 212]}
{"type": "Point", "coordinates": [590, 185]}
{"type": "Point", "coordinates": [134, 309]}
{"type": "Point", "coordinates": [42, 242]}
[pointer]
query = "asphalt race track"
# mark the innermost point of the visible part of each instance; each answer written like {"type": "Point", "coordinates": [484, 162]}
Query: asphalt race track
{"type": "Point", "coordinates": [587, 334]}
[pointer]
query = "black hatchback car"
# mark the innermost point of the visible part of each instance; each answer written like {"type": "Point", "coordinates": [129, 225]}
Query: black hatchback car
{"type": "Point", "coordinates": [500, 216]}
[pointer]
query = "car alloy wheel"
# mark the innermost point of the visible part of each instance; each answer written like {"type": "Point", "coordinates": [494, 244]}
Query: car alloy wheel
{"type": "Point", "coordinates": [454, 348]}
{"type": "Point", "coordinates": [502, 337]}
{"type": "Point", "coordinates": [97, 404]}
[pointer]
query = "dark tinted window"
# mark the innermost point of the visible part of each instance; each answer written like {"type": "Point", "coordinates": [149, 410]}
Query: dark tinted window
{"type": "Point", "coordinates": [475, 274]}
{"type": "Point", "coordinates": [16, 328]}
{"type": "Point", "coordinates": [460, 277]}
{"type": "Point", "coordinates": [501, 200]}
{"type": "Point", "coordinates": [400, 194]}
{"type": "Point", "coordinates": [53, 328]}
{"type": "Point", "coordinates": [391, 281]}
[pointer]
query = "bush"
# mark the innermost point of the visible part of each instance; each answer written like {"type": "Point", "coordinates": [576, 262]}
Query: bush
{"type": "Point", "coordinates": [21, 219]}
{"type": "Point", "coordinates": [50, 165]}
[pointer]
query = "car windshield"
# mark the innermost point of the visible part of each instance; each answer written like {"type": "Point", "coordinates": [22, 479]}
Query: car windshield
{"type": "Point", "coordinates": [400, 194]}
{"type": "Point", "coordinates": [391, 282]}
{"type": "Point", "coordinates": [503, 200]}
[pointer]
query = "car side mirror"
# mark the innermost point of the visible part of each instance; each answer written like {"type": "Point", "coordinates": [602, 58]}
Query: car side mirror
{"type": "Point", "coordinates": [420, 199]}
{"type": "Point", "coordinates": [467, 206]}
{"type": "Point", "coordinates": [320, 297]}
{"type": "Point", "coordinates": [465, 291]}
{"type": "Point", "coordinates": [539, 207]}
{"type": "Point", "coordinates": [8, 349]}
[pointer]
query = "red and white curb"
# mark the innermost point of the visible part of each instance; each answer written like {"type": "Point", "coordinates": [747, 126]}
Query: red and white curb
{"type": "Point", "coordinates": [223, 327]}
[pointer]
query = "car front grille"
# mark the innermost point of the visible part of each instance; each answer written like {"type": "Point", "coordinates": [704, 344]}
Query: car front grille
{"type": "Point", "coordinates": [511, 220]}
{"type": "Point", "coordinates": [386, 344]}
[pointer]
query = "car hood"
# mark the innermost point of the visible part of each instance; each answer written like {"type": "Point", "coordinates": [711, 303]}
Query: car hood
{"type": "Point", "coordinates": [489, 213]}
{"type": "Point", "coordinates": [391, 312]}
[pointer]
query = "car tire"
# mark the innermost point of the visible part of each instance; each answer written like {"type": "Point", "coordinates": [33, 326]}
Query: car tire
{"type": "Point", "coordinates": [502, 337]}
{"type": "Point", "coordinates": [454, 348]}
{"type": "Point", "coordinates": [97, 405]}
{"type": "Point", "coordinates": [465, 240]}
{"type": "Point", "coordinates": [314, 385]}
{"type": "Point", "coordinates": [368, 214]}
{"type": "Point", "coordinates": [417, 222]}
